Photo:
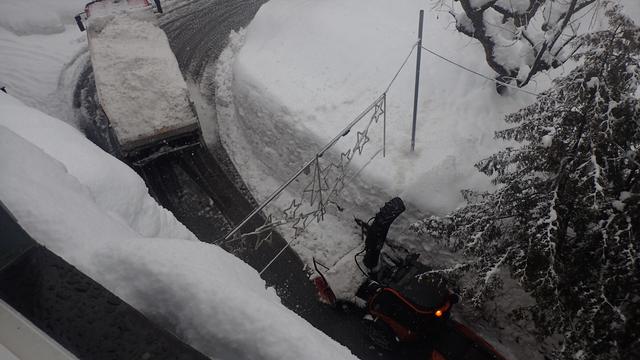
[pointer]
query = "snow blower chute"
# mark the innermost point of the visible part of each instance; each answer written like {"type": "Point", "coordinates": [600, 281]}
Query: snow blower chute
{"type": "Point", "coordinates": [392, 293]}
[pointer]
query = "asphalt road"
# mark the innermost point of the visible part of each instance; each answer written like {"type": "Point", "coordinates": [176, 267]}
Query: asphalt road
{"type": "Point", "coordinates": [202, 187]}
{"type": "Point", "coordinates": [198, 30]}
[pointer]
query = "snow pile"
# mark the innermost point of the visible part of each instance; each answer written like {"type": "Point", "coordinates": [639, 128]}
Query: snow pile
{"type": "Point", "coordinates": [113, 185]}
{"type": "Point", "coordinates": [139, 83]}
{"type": "Point", "coordinates": [315, 65]}
{"type": "Point", "coordinates": [25, 17]}
{"type": "Point", "coordinates": [305, 69]}
{"type": "Point", "coordinates": [39, 69]}
{"type": "Point", "coordinates": [95, 212]}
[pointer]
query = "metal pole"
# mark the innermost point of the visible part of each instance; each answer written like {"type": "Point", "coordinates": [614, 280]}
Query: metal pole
{"type": "Point", "coordinates": [384, 125]}
{"type": "Point", "coordinates": [415, 96]}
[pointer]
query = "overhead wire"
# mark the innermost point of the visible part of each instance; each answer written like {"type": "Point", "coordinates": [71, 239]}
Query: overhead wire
{"type": "Point", "coordinates": [478, 74]}
{"type": "Point", "coordinates": [401, 67]}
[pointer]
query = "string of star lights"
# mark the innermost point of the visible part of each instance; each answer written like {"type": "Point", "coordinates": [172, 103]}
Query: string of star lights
{"type": "Point", "coordinates": [323, 180]}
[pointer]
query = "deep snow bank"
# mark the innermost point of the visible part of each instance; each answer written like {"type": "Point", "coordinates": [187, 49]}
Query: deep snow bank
{"type": "Point", "coordinates": [312, 66]}
{"type": "Point", "coordinates": [303, 69]}
{"type": "Point", "coordinates": [25, 17]}
{"type": "Point", "coordinates": [307, 68]}
{"type": "Point", "coordinates": [112, 184]}
{"type": "Point", "coordinates": [95, 212]}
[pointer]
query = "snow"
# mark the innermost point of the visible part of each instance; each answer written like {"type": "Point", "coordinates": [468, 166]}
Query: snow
{"type": "Point", "coordinates": [594, 82]}
{"type": "Point", "coordinates": [293, 80]}
{"type": "Point", "coordinates": [476, 4]}
{"type": "Point", "coordinates": [618, 205]}
{"type": "Point", "coordinates": [316, 81]}
{"type": "Point", "coordinates": [6, 354]}
{"type": "Point", "coordinates": [304, 69]}
{"type": "Point", "coordinates": [523, 72]}
{"type": "Point", "coordinates": [96, 212]}
{"type": "Point", "coordinates": [34, 67]}
{"type": "Point", "coordinates": [112, 184]}
{"type": "Point", "coordinates": [631, 8]}
{"type": "Point", "coordinates": [38, 16]}
{"type": "Point", "coordinates": [511, 52]}
{"type": "Point", "coordinates": [517, 6]}
{"type": "Point", "coordinates": [41, 52]}
{"type": "Point", "coordinates": [82, 204]}
{"type": "Point", "coordinates": [139, 83]}
{"type": "Point", "coordinates": [344, 277]}
{"type": "Point", "coordinates": [624, 195]}
{"type": "Point", "coordinates": [463, 21]}
{"type": "Point", "coordinates": [310, 65]}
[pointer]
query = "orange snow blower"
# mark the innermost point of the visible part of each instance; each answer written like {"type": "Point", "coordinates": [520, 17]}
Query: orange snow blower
{"type": "Point", "coordinates": [403, 307]}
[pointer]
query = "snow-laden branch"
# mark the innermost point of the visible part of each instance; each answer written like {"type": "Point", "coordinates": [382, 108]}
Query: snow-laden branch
{"type": "Point", "coordinates": [522, 37]}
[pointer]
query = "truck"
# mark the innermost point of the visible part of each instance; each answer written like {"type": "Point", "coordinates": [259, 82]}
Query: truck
{"type": "Point", "coordinates": [139, 85]}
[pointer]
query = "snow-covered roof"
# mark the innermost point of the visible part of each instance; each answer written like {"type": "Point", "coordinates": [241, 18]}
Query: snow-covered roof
{"type": "Point", "coordinates": [96, 213]}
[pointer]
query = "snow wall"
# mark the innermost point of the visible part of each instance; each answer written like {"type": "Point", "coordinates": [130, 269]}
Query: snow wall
{"type": "Point", "coordinates": [96, 213]}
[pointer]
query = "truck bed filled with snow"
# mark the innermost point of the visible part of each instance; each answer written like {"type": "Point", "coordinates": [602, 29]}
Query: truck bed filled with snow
{"type": "Point", "coordinates": [139, 83]}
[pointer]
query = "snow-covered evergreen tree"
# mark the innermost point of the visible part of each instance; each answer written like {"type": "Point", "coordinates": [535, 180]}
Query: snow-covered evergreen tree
{"type": "Point", "coordinates": [565, 215]}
